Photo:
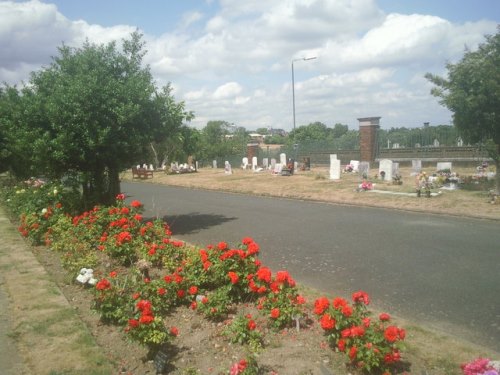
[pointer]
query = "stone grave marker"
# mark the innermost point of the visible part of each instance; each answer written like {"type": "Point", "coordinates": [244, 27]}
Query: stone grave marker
{"type": "Point", "coordinates": [416, 167]}
{"type": "Point", "coordinates": [283, 159]}
{"type": "Point", "coordinates": [441, 166]}
{"type": "Point", "coordinates": [214, 164]}
{"type": "Point", "coordinates": [244, 163]}
{"type": "Point", "coordinates": [385, 166]}
{"type": "Point", "coordinates": [395, 169]}
{"type": "Point", "coordinates": [273, 164]}
{"type": "Point", "coordinates": [265, 163]}
{"type": "Point", "coordinates": [227, 168]}
{"type": "Point", "coordinates": [254, 163]}
{"type": "Point", "coordinates": [364, 169]}
{"type": "Point", "coordinates": [334, 167]}
{"type": "Point", "coordinates": [355, 165]}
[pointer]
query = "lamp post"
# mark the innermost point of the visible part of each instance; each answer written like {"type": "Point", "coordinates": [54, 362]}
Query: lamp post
{"type": "Point", "coordinates": [293, 85]}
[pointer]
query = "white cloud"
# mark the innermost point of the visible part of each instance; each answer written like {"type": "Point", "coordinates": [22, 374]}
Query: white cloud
{"type": "Point", "coordinates": [227, 90]}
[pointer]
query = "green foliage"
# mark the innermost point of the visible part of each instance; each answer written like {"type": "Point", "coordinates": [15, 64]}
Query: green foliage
{"type": "Point", "coordinates": [91, 114]}
{"type": "Point", "coordinates": [243, 330]}
{"type": "Point", "coordinates": [220, 139]}
{"type": "Point", "coordinates": [472, 92]}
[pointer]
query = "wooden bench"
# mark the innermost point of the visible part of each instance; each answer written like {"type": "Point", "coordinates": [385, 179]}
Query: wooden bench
{"type": "Point", "coordinates": [141, 173]}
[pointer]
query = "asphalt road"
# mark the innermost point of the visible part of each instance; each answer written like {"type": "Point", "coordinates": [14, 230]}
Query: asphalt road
{"type": "Point", "coordinates": [440, 271]}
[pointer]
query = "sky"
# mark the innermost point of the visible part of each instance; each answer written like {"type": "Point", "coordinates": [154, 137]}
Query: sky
{"type": "Point", "coordinates": [232, 60]}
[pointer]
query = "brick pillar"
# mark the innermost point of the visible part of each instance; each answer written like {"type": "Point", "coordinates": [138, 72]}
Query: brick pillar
{"type": "Point", "coordinates": [252, 150]}
{"type": "Point", "coordinates": [368, 137]}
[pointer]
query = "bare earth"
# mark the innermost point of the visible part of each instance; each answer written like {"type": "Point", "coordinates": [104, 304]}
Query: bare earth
{"type": "Point", "coordinates": [46, 325]}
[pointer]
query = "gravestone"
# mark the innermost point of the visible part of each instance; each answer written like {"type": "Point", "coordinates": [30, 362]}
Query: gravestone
{"type": "Point", "coordinates": [214, 164]}
{"type": "Point", "coordinates": [334, 167]}
{"type": "Point", "coordinates": [244, 163]}
{"type": "Point", "coordinates": [416, 167]}
{"type": "Point", "coordinates": [443, 165]}
{"type": "Point", "coordinates": [278, 167]}
{"type": "Point", "coordinates": [364, 169]}
{"type": "Point", "coordinates": [283, 159]}
{"type": "Point", "coordinates": [435, 143]}
{"type": "Point", "coordinates": [395, 169]}
{"type": "Point", "coordinates": [227, 168]}
{"type": "Point", "coordinates": [355, 165]}
{"type": "Point", "coordinates": [265, 163]}
{"type": "Point", "coordinates": [160, 361]}
{"type": "Point", "coordinates": [254, 163]}
{"type": "Point", "coordinates": [151, 168]}
{"type": "Point", "coordinates": [385, 166]}
{"type": "Point", "coordinates": [273, 164]}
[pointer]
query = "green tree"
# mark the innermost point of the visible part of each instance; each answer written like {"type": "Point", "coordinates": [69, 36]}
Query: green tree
{"type": "Point", "coordinates": [96, 111]}
{"type": "Point", "coordinates": [220, 139]}
{"type": "Point", "coordinates": [472, 92]}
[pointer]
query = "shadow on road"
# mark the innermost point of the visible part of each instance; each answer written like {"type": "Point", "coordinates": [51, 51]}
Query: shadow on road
{"type": "Point", "coordinates": [194, 222]}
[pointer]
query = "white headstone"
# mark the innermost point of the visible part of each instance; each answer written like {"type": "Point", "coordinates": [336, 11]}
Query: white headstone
{"type": "Point", "coordinates": [444, 165]}
{"type": "Point", "coordinates": [265, 163]}
{"type": "Point", "coordinates": [416, 166]}
{"type": "Point", "coordinates": [151, 168]}
{"type": "Point", "coordinates": [385, 166]}
{"type": "Point", "coordinates": [278, 167]}
{"type": "Point", "coordinates": [283, 159]}
{"type": "Point", "coordinates": [273, 163]}
{"type": "Point", "coordinates": [145, 166]}
{"type": "Point", "coordinates": [355, 165]}
{"type": "Point", "coordinates": [227, 168]}
{"type": "Point", "coordinates": [254, 162]}
{"type": "Point", "coordinates": [395, 169]}
{"type": "Point", "coordinates": [395, 145]}
{"type": "Point", "coordinates": [460, 142]}
{"type": "Point", "coordinates": [138, 166]}
{"type": "Point", "coordinates": [334, 168]}
{"type": "Point", "coordinates": [214, 164]}
{"type": "Point", "coordinates": [435, 143]}
{"type": "Point", "coordinates": [244, 163]}
{"type": "Point", "coordinates": [364, 169]}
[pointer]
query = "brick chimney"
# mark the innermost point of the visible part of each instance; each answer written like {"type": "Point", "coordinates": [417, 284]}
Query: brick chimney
{"type": "Point", "coordinates": [368, 137]}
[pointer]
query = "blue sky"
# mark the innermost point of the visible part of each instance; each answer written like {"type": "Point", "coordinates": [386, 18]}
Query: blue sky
{"type": "Point", "coordinates": [231, 59]}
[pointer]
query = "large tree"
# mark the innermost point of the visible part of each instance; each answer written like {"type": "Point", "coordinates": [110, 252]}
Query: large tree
{"type": "Point", "coordinates": [472, 92]}
{"type": "Point", "coordinates": [97, 113]}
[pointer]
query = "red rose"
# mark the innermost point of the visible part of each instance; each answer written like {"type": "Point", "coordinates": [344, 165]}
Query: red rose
{"type": "Point", "coordinates": [361, 297]}
{"type": "Point", "coordinates": [391, 333]}
{"type": "Point", "coordinates": [320, 305]}
{"type": "Point", "coordinates": [103, 284]}
{"type": "Point", "coordinates": [384, 317]}
{"type": "Point", "coordinates": [327, 322]}
{"type": "Point", "coordinates": [174, 331]}
{"type": "Point", "coordinates": [233, 276]}
{"type": "Point", "coordinates": [193, 290]}
{"type": "Point", "coordinates": [135, 204]}
{"type": "Point", "coordinates": [146, 319]}
{"type": "Point", "coordinates": [275, 313]}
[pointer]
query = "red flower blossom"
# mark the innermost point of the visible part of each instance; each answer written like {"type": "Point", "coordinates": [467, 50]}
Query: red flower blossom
{"type": "Point", "coordinates": [338, 303]}
{"type": "Point", "coordinates": [320, 305]}
{"type": "Point", "coordinates": [125, 211]}
{"type": "Point", "coordinates": [133, 323]}
{"type": "Point", "coordinates": [300, 300]}
{"type": "Point", "coordinates": [251, 325]}
{"type": "Point", "coordinates": [146, 319]}
{"type": "Point", "coordinates": [103, 284]}
{"type": "Point", "coordinates": [113, 274]}
{"type": "Point", "coordinates": [222, 246]}
{"type": "Point", "coordinates": [174, 331]}
{"type": "Point", "coordinates": [143, 305]}
{"type": "Point", "coordinates": [341, 345]}
{"type": "Point", "coordinates": [391, 333]}
{"type": "Point", "coordinates": [136, 295]}
{"type": "Point", "coordinates": [347, 311]}
{"type": "Point", "coordinates": [247, 240]}
{"type": "Point", "coordinates": [193, 290]}
{"type": "Point", "coordinates": [384, 317]}
{"type": "Point", "coordinates": [181, 293]}
{"type": "Point", "coordinates": [264, 274]}
{"type": "Point", "coordinates": [233, 276]}
{"type": "Point", "coordinates": [252, 248]}
{"type": "Point", "coordinates": [161, 291]}
{"type": "Point", "coordinates": [361, 297]}
{"type": "Point", "coordinates": [120, 197]}
{"type": "Point", "coordinates": [327, 322]}
{"type": "Point", "coordinates": [135, 204]}
{"type": "Point", "coordinates": [353, 352]}
{"type": "Point", "coordinates": [275, 313]}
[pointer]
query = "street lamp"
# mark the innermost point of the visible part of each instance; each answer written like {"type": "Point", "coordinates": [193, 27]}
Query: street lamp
{"type": "Point", "coordinates": [293, 84]}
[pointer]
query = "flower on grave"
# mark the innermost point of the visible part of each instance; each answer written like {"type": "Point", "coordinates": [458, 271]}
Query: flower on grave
{"type": "Point", "coordinates": [481, 366]}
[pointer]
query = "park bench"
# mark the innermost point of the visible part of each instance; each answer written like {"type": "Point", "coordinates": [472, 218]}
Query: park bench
{"type": "Point", "coordinates": [141, 173]}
